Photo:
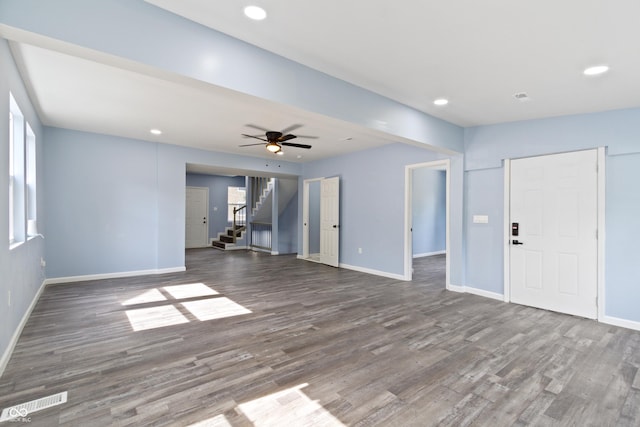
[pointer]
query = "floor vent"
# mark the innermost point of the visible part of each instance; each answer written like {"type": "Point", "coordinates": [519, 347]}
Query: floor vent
{"type": "Point", "coordinates": [25, 409]}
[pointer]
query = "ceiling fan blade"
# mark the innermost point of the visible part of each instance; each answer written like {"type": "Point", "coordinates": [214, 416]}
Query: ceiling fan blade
{"type": "Point", "coordinates": [308, 136]}
{"type": "Point", "coordinates": [291, 128]}
{"type": "Point", "coordinates": [250, 145]}
{"type": "Point", "coordinates": [293, 144]}
{"type": "Point", "coordinates": [249, 125]}
{"type": "Point", "coordinates": [256, 137]}
{"type": "Point", "coordinates": [286, 138]}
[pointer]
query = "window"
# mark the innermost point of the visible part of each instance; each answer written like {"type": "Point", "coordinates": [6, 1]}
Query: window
{"type": "Point", "coordinates": [12, 236]}
{"type": "Point", "coordinates": [236, 198]}
{"type": "Point", "coordinates": [17, 202]}
{"type": "Point", "coordinates": [31, 183]}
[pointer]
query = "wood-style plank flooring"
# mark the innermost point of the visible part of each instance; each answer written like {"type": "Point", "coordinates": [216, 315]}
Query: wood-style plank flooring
{"type": "Point", "coordinates": [306, 344]}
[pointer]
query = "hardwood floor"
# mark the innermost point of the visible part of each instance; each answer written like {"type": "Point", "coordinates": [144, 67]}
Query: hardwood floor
{"type": "Point", "coordinates": [307, 344]}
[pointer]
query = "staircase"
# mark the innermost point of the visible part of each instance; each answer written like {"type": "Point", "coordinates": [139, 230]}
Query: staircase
{"type": "Point", "coordinates": [230, 236]}
{"type": "Point", "coordinates": [227, 239]}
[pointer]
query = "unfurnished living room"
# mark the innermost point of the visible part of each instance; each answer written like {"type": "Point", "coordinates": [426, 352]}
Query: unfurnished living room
{"type": "Point", "coordinates": [275, 213]}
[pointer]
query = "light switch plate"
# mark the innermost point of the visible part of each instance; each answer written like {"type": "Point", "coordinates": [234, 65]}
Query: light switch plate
{"type": "Point", "coordinates": [481, 219]}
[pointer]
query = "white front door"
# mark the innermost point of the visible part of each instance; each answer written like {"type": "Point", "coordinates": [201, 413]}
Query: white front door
{"type": "Point", "coordinates": [330, 221]}
{"type": "Point", "coordinates": [553, 257]}
{"type": "Point", "coordinates": [196, 218]}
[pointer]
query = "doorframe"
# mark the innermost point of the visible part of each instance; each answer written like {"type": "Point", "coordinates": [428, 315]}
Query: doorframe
{"type": "Point", "coordinates": [600, 194]}
{"type": "Point", "coordinates": [305, 215]}
{"type": "Point", "coordinates": [444, 164]}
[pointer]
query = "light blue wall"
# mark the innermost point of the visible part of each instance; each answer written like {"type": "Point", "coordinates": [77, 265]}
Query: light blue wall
{"type": "Point", "coordinates": [288, 228]}
{"type": "Point", "coordinates": [176, 45]}
{"type": "Point", "coordinates": [218, 198]}
{"type": "Point", "coordinates": [372, 198]}
{"type": "Point", "coordinates": [483, 196]}
{"type": "Point", "coordinates": [118, 205]}
{"type": "Point", "coordinates": [486, 146]}
{"type": "Point", "coordinates": [622, 294]}
{"type": "Point", "coordinates": [314, 217]}
{"type": "Point", "coordinates": [20, 272]}
{"type": "Point", "coordinates": [429, 210]}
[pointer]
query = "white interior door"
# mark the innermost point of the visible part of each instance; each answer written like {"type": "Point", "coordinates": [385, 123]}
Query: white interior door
{"type": "Point", "coordinates": [196, 218]}
{"type": "Point", "coordinates": [554, 201]}
{"type": "Point", "coordinates": [330, 221]}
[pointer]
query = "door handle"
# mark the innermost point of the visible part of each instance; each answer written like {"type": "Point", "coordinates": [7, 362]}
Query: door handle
{"type": "Point", "coordinates": [515, 242]}
{"type": "Point", "coordinates": [335, 226]}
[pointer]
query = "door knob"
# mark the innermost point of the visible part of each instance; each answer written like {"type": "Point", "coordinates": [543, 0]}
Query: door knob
{"type": "Point", "coordinates": [515, 242]}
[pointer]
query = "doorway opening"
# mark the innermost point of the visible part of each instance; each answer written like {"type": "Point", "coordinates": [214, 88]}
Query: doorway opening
{"type": "Point", "coordinates": [321, 220]}
{"type": "Point", "coordinates": [427, 219]}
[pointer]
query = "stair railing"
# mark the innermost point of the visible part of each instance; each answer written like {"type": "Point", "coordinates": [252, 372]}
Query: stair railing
{"type": "Point", "coordinates": [239, 219]}
{"type": "Point", "coordinates": [258, 185]}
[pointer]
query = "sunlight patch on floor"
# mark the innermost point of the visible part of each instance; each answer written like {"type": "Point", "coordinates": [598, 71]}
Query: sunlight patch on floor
{"type": "Point", "coordinates": [217, 421]}
{"type": "Point", "coordinates": [214, 308]}
{"type": "Point", "coordinates": [142, 319]}
{"type": "Point", "coordinates": [152, 295]}
{"type": "Point", "coordinates": [290, 407]}
{"type": "Point", "coordinates": [191, 290]}
{"type": "Point", "coordinates": [193, 297]}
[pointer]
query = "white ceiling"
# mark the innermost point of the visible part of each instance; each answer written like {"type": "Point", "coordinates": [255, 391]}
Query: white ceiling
{"type": "Point", "coordinates": [476, 54]}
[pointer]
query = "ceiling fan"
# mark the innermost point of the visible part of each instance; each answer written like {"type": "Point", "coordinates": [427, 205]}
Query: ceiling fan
{"type": "Point", "coordinates": [276, 140]}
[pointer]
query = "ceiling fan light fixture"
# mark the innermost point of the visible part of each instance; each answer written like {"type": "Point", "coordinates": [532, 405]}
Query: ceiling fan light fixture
{"type": "Point", "coordinates": [280, 153]}
{"type": "Point", "coordinates": [255, 12]}
{"type": "Point", "coordinates": [274, 147]}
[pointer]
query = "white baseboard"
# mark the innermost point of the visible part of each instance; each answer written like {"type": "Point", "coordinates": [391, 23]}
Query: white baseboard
{"type": "Point", "coordinates": [374, 272]}
{"type": "Point", "coordinates": [4, 360]}
{"type": "Point", "coordinates": [429, 254]}
{"type": "Point", "coordinates": [615, 321]}
{"type": "Point", "coordinates": [73, 279]}
{"type": "Point", "coordinates": [476, 291]}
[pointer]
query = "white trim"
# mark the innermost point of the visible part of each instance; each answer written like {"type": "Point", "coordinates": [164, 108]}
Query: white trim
{"type": "Point", "coordinates": [445, 165]}
{"type": "Point", "coordinates": [507, 230]}
{"type": "Point", "coordinates": [374, 272]}
{"type": "Point", "coordinates": [73, 279]}
{"type": "Point", "coordinates": [426, 254]}
{"type": "Point", "coordinates": [4, 360]}
{"type": "Point", "coordinates": [476, 291]}
{"type": "Point", "coordinates": [623, 323]}
{"type": "Point", "coordinates": [602, 160]}
{"type": "Point", "coordinates": [275, 253]}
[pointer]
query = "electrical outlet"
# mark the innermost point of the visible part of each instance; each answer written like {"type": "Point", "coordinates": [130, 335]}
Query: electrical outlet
{"type": "Point", "coordinates": [43, 263]}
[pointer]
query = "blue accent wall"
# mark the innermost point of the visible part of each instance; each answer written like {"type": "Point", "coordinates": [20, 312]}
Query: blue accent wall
{"type": "Point", "coordinates": [21, 275]}
{"type": "Point", "coordinates": [118, 205]}
{"type": "Point", "coordinates": [372, 198]}
{"type": "Point", "coordinates": [487, 146]}
{"type": "Point", "coordinates": [429, 211]}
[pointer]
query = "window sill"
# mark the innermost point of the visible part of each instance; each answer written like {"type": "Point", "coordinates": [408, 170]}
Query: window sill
{"type": "Point", "coordinates": [14, 245]}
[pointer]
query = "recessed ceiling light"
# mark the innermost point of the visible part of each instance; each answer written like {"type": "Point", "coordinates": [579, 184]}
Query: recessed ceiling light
{"type": "Point", "coordinates": [255, 12]}
{"type": "Point", "coordinates": [156, 131]}
{"type": "Point", "coordinates": [596, 70]}
{"type": "Point", "coordinates": [441, 101]}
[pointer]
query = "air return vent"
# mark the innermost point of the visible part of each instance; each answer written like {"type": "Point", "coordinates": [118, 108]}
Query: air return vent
{"type": "Point", "coordinates": [522, 96]}
{"type": "Point", "coordinates": [23, 410]}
